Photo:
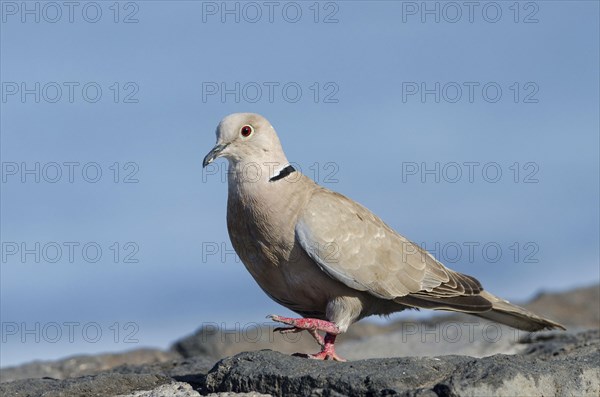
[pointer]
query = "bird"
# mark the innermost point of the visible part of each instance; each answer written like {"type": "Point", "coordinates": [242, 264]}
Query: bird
{"type": "Point", "coordinates": [326, 257]}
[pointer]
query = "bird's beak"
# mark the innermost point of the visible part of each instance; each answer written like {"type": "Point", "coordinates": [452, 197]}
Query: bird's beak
{"type": "Point", "coordinates": [213, 154]}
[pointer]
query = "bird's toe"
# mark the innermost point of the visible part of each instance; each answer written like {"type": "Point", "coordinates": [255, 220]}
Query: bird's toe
{"type": "Point", "coordinates": [281, 319]}
{"type": "Point", "coordinates": [287, 330]}
{"type": "Point", "coordinates": [326, 355]}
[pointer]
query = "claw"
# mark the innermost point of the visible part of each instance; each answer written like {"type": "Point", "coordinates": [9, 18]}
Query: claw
{"type": "Point", "coordinates": [280, 319]}
{"type": "Point", "coordinates": [287, 330]}
{"type": "Point", "coordinates": [324, 355]}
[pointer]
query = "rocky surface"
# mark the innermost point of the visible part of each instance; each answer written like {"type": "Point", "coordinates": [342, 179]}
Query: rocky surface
{"type": "Point", "coordinates": [84, 365]}
{"type": "Point", "coordinates": [123, 380]}
{"type": "Point", "coordinates": [551, 364]}
{"type": "Point", "coordinates": [452, 355]}
{"type": "Point", "coordinates": [566, 366]}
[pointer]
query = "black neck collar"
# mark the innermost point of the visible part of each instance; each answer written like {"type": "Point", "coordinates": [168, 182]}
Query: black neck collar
{"type": "Point", "coordinates": [283, 173]}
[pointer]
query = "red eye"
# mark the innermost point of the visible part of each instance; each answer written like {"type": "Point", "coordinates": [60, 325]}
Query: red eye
{"type": "Point", "coordinates": [246, 130]}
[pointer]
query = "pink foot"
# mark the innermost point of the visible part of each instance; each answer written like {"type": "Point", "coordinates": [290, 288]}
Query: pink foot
{"type": "Point", "coordinates": [312, 332]}
{"type": "Point", "coordinates": [327, 351]}
{"type": "Point", "coordinates": [312, 325]}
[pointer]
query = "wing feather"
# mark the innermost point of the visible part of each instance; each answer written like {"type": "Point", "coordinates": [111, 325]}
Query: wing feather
{"type": "Point", "coordinates": [354, 246]}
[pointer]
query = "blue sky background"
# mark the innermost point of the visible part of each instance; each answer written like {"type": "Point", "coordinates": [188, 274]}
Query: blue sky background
{"type": "Point", "coordinates": [176, 210]}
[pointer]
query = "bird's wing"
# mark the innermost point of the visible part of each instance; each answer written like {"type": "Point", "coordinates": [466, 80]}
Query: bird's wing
{"type": "Point", "coordinates": [354, 246]}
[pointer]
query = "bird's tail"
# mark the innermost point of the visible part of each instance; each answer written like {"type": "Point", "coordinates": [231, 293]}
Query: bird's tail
{"type": "Point", "coordinates": [515, 316]}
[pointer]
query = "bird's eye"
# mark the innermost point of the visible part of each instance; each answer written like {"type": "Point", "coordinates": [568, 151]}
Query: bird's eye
{"type": "Point", "coordinates": [246, 131]}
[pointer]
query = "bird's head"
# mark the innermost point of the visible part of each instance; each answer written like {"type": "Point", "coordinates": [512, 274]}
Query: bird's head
{"type": "Point", "coordinates": [244, 138]}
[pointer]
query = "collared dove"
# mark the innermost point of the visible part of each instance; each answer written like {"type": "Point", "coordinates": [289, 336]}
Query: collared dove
{"type": "Point", "coordinates": [326, 257]}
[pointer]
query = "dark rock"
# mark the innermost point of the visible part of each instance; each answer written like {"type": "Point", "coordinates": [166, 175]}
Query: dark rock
{"type": "Point", "coordinates": [107, 384]}
{"type": "Point", "coordinates": [278, 374]}
{"type": "Point", "coordinates": [120, 380]}
{"type": "Point", "coordinates": [191, 370]}
{"type": "Point", "coordinates": [84, 365]}
{"type": "Point", "coordinates": [545, 346]}
{"type": "Point", "coordinates": [569, 368]}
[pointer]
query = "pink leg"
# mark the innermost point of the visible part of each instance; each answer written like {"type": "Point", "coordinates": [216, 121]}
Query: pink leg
{"type": "Point", "coordinates": [312, 325]}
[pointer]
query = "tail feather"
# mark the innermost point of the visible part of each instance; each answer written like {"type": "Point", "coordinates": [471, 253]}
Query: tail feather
{"type": "Point", "coordinates": [517, 317]}
{"type": "Point", "coordinates": [466, 304]}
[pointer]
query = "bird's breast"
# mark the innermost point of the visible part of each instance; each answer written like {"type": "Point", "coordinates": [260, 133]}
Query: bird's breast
{"type": "Point", "coordinates": [259, 237]}
{"type": "Point", "coordinates": [262, 232]}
